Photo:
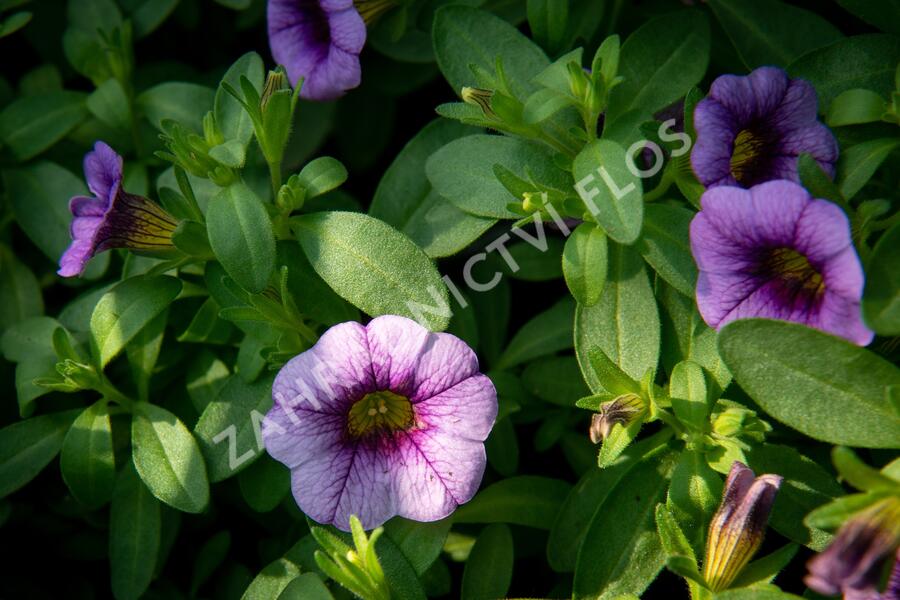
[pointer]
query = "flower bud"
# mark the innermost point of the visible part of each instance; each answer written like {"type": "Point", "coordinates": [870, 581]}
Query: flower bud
{"type": "Point", "coordinates": [622, 411]}
{"type": "Point", "coordinates": [479, 97]}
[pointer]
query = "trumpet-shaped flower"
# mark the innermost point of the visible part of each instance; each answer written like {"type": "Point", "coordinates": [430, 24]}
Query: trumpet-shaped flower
{"type": "Point", "coordinates": [753, 129]}
{"type": "Point", "coordinates": [113, 218]}
{"type": "Point", "coordinates": [381, 420]}
{"type": "Point", "coordinates": [775, 252]}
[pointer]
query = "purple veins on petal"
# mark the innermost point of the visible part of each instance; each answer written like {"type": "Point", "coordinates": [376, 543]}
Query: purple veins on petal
{"type": "Point", "coordinates": [775, 252]}
{"type": "Point", "coordinates": [752, 129]}
{"type": "Point", "coordinates": [318, 41]}
{"type": "Point", "coordinates": [112, 218]}
{"type": "Point", "coordinates": [381, 420]}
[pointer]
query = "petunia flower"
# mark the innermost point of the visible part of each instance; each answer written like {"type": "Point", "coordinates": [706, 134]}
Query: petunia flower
{"type": "Point", "coordinates": [853, 563]}
{"type": "Point", "coordinates": [775, 252]}
{"type": "Point", "coordinates": [113, 218]}
{"type": "Point", "coordinates": [736, 530]}
{"type": "Point", "coordinates": [753, 128]}
{"type": "Point", "coordinates": [320, 41]}
{"type": "Point", "coordinates": [381, 420]}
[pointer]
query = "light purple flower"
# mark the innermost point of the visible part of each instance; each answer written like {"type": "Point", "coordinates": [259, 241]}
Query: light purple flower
{"type": "Point", "coordinates": [853, 563]}
{"type": "Point", "coordinates": [113, 218]}
{"type": "Point", "coordinates": [381, 420]}
{"type": "Point", "coordinates": [752, 129]}
{"type": "Point", "coordinates": [320, 41]}
{"type": "Point", "coordinates": [775, 252]}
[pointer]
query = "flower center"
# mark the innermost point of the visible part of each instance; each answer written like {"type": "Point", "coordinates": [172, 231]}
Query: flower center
{"type": "Point", "coordinates": [382, 411]}
{"type": "Point", "coordinates": [748, 150]}
{"type": "Point", "coordinates": [794, 269]}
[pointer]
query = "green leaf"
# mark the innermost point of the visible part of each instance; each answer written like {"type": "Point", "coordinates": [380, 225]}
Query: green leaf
{"type": "Point", "coordinates": [26, 447]}
{"type": "Point", "coordinates": [87, 462]}
{"type": "Point", "coordinates": [209, 557]}
{"type": "Point", "coordinates": [126, 309]}
{"type": "Point", "coordinates": [624, 324]}
{"type": "Point", "coordinates": [489, 569]}
{"type": "Point", "coordinates": [612, 193]}
{"type": "Point", "coordinates": [524, 500]}
{"type": "Point", "coordinates": [404, 197]}
{"type": "Point", "coordinates": [770, 32]}
{"type": "Point", "coordinates": [39, 195]}
{"type": "Point", "coordinates": [548, 20]}
{"type": "Point", "coordinates": [694, 495]}
{"type": "Point", "coordinates": [20, 292]}
{"type": "Point", "coordinates": [374, 267]}
{"type": "Point", "coordinates": [230, 153]}
{"type": "Point", "coordinates": [883, 14]}
{"type": "Point", "coordinates": [241, 236]}
{"type": "Point", "coordinates": [817, 181]}
{"type": "Point", "coordinates": [806, 486]}
{"type": "Point", "coordinates": [764, 570]}
{"type": "Point", "coordinates": [881, 298]}
{"type": "Point", "coordinates": [545, 334]}
{"type": "Point", "coordinates": [823, 386]}
{"type": "Point", "coordinates": [660, 62]}
{"type": "Point", "coordinates": [621, 552]}
{"type": "Point", "coordinates": [399, 573]}
{"type": "Point", "coordinates": [264, 484]}
{"type": "Point", "coordinates": [861, 61]}
{"type": "Point", "coordinates": [205, 376]}
{"type": "Point", "coordinates": [556, 379]}
{"type": "Point", "coordinates": [30, 125]}
{"type": "Point", "coordinates": [673, 540]}
{"type": "Point", "coordinates": [228, 429]}
{"type": "Point", "coordinates": [768, 593]}
{"type": "Point", "coordinates": [690, 400]}
{"type": "Point", "coordinates": [854, 107]}
{"type": "Point", "coordinates": [665, 245]}
{"type": "Point", "coordinates": [134, 536]}
{"type": "Point", "coordinates": [143, 351]}
{"type": "Point", "coordinates": [231, 118]}
{"type": "Point", "coordinates": [179, 101]}
{"type": "Point", "coordinates": [322, 175]}
{"type": "Point", "coordinates": [14, 22]}
{"type": "Point", "coordinates": [30, 344]}
{"type": "Point", "coordinates": [307, 586]}
{"type": "Point", "coordinates": [466, 36]}
{"type": "Point", "coordinates": [584, 263]}
{"type": "Point", "coordinates": [206, 327]}
{"type": "Point", "coordinates": [420, 543]}
{"type": "Point", "coordinates": [148, 15]}
{"type": "Point", "coordinates": [462, 171]}
{"type": "Point", "coordinates": [110, 105]}
{"type": "Point", "coordinates": [859, 162]}
{"type": "Point", "coordinates": [858, 474]}
{"type": "Point", "coordinates": [312, 296]}
{"type": "Point", "coordinates": [272, 580]}
{"type": "Point", "coordinates": [168, 459]}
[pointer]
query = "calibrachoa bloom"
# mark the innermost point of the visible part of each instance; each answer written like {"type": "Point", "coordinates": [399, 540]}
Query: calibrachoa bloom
{"type": "Point", "coordinates": [752, 129]}
{"type": "Point", "coordinates": [775, 252]}
{"type": "Point", "coordinates": [320, 41]}
{"type": "Point", "coordinates": [113, 218]}
{"type": "Point", "coordinates": [853, 563]}
{"type": "Point", "coordinates": [736, 530]}
{"type": "Point", "coordinates": [381, 420]}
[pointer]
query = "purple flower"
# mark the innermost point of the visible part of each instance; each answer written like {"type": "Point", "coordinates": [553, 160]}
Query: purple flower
{"type": "Point", "coordinates": [113, 218]}
{"type": "Point", "coordinates": [752, 129]}
{"type": "Point", "coordinates": [320, 41]}
{"type": "Point", "coordinates": [736, 530]}
{"type": "Point", "coordinates": [381, 420]}
{"type": "Point", "coordinates": [853, 563]}
{"type": "Point", "coordinates": [775, 252]}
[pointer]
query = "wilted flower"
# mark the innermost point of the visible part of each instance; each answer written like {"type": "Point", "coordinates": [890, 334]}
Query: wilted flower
{"type": "Point", "coordinates": [620, 411]}
{"type": "Point", "coordinates": [752, 129]}
{"type": "Point", "coordinates": [773, 251]}
{"type": "Point", "coordinates": [381, 420]}
{"type": "Point", "coordinates": [853, 563]}
{"type": "Point", "coordinates": [736, 530]}
{"type": "Point", "coordinates": [113, 218]}
{"type": "Point", "coordinates": [320, 41]}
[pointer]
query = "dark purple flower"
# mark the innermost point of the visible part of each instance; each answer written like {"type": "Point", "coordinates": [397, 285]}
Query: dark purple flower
{"type": "Point", "coordinates": [775, 252]}
{"type": "Point", "coordinates": [736, 530]}
{"type": "Point", "coordinates": [113, 218]}
{"type": "Point", "coordinates": [320, 41]}
{"type": "Point", "coordinates": [752, 129]}
{"type": "Point", "coordinates": [381, 420]}
{"type": "Point", "coordinates": [854, 561]}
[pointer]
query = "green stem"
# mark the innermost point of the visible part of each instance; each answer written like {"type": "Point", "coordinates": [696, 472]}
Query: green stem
{"type": "Point", "coordinates": [664, 184]}
{"type": "Point", "coordinates": [275, 173]}
{"type": "Point", "coordinates": [109, 391]}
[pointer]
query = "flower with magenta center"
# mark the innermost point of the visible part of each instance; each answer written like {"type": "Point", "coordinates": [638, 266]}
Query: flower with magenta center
{"type": "Point", "coordinates": [320, 41]}
{"type": "Point", "coordinates": [113, 218]}
{"type": "Point", "coordinates": [752, 129]}
{"type": "Point", "coordinates": [736, 530]}
{"type": "Point", "coordinates": [381, 420]}
{"type": "Point", "coordinates": [775, 252]}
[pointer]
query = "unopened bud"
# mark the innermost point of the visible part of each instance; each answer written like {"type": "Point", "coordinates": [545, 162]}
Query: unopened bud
{"type": "Point", "coordinates": [622, 411]}
{"type": "Point", "coordinates": [479, 97]}
{"type": "Point", "coordinates": [276, 81]}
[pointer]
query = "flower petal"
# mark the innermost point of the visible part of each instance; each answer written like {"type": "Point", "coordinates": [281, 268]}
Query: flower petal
{"type": "Point", "coordinates": [103, 172]}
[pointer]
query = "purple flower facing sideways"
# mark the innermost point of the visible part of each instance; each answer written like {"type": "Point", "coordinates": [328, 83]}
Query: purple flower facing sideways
{"type": "Point", "coordinates": [113, 218]}
{"type": "Point", "coordinates": [319, 41]}
{"type": "Point", "coordinates": [752, 129]}
{"type": "Point", "coordinates": [853, 563]}
{"type": "Point", "coordinates": [381, 420]}
{"type": "Point", "coordinates": [775, 252]}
